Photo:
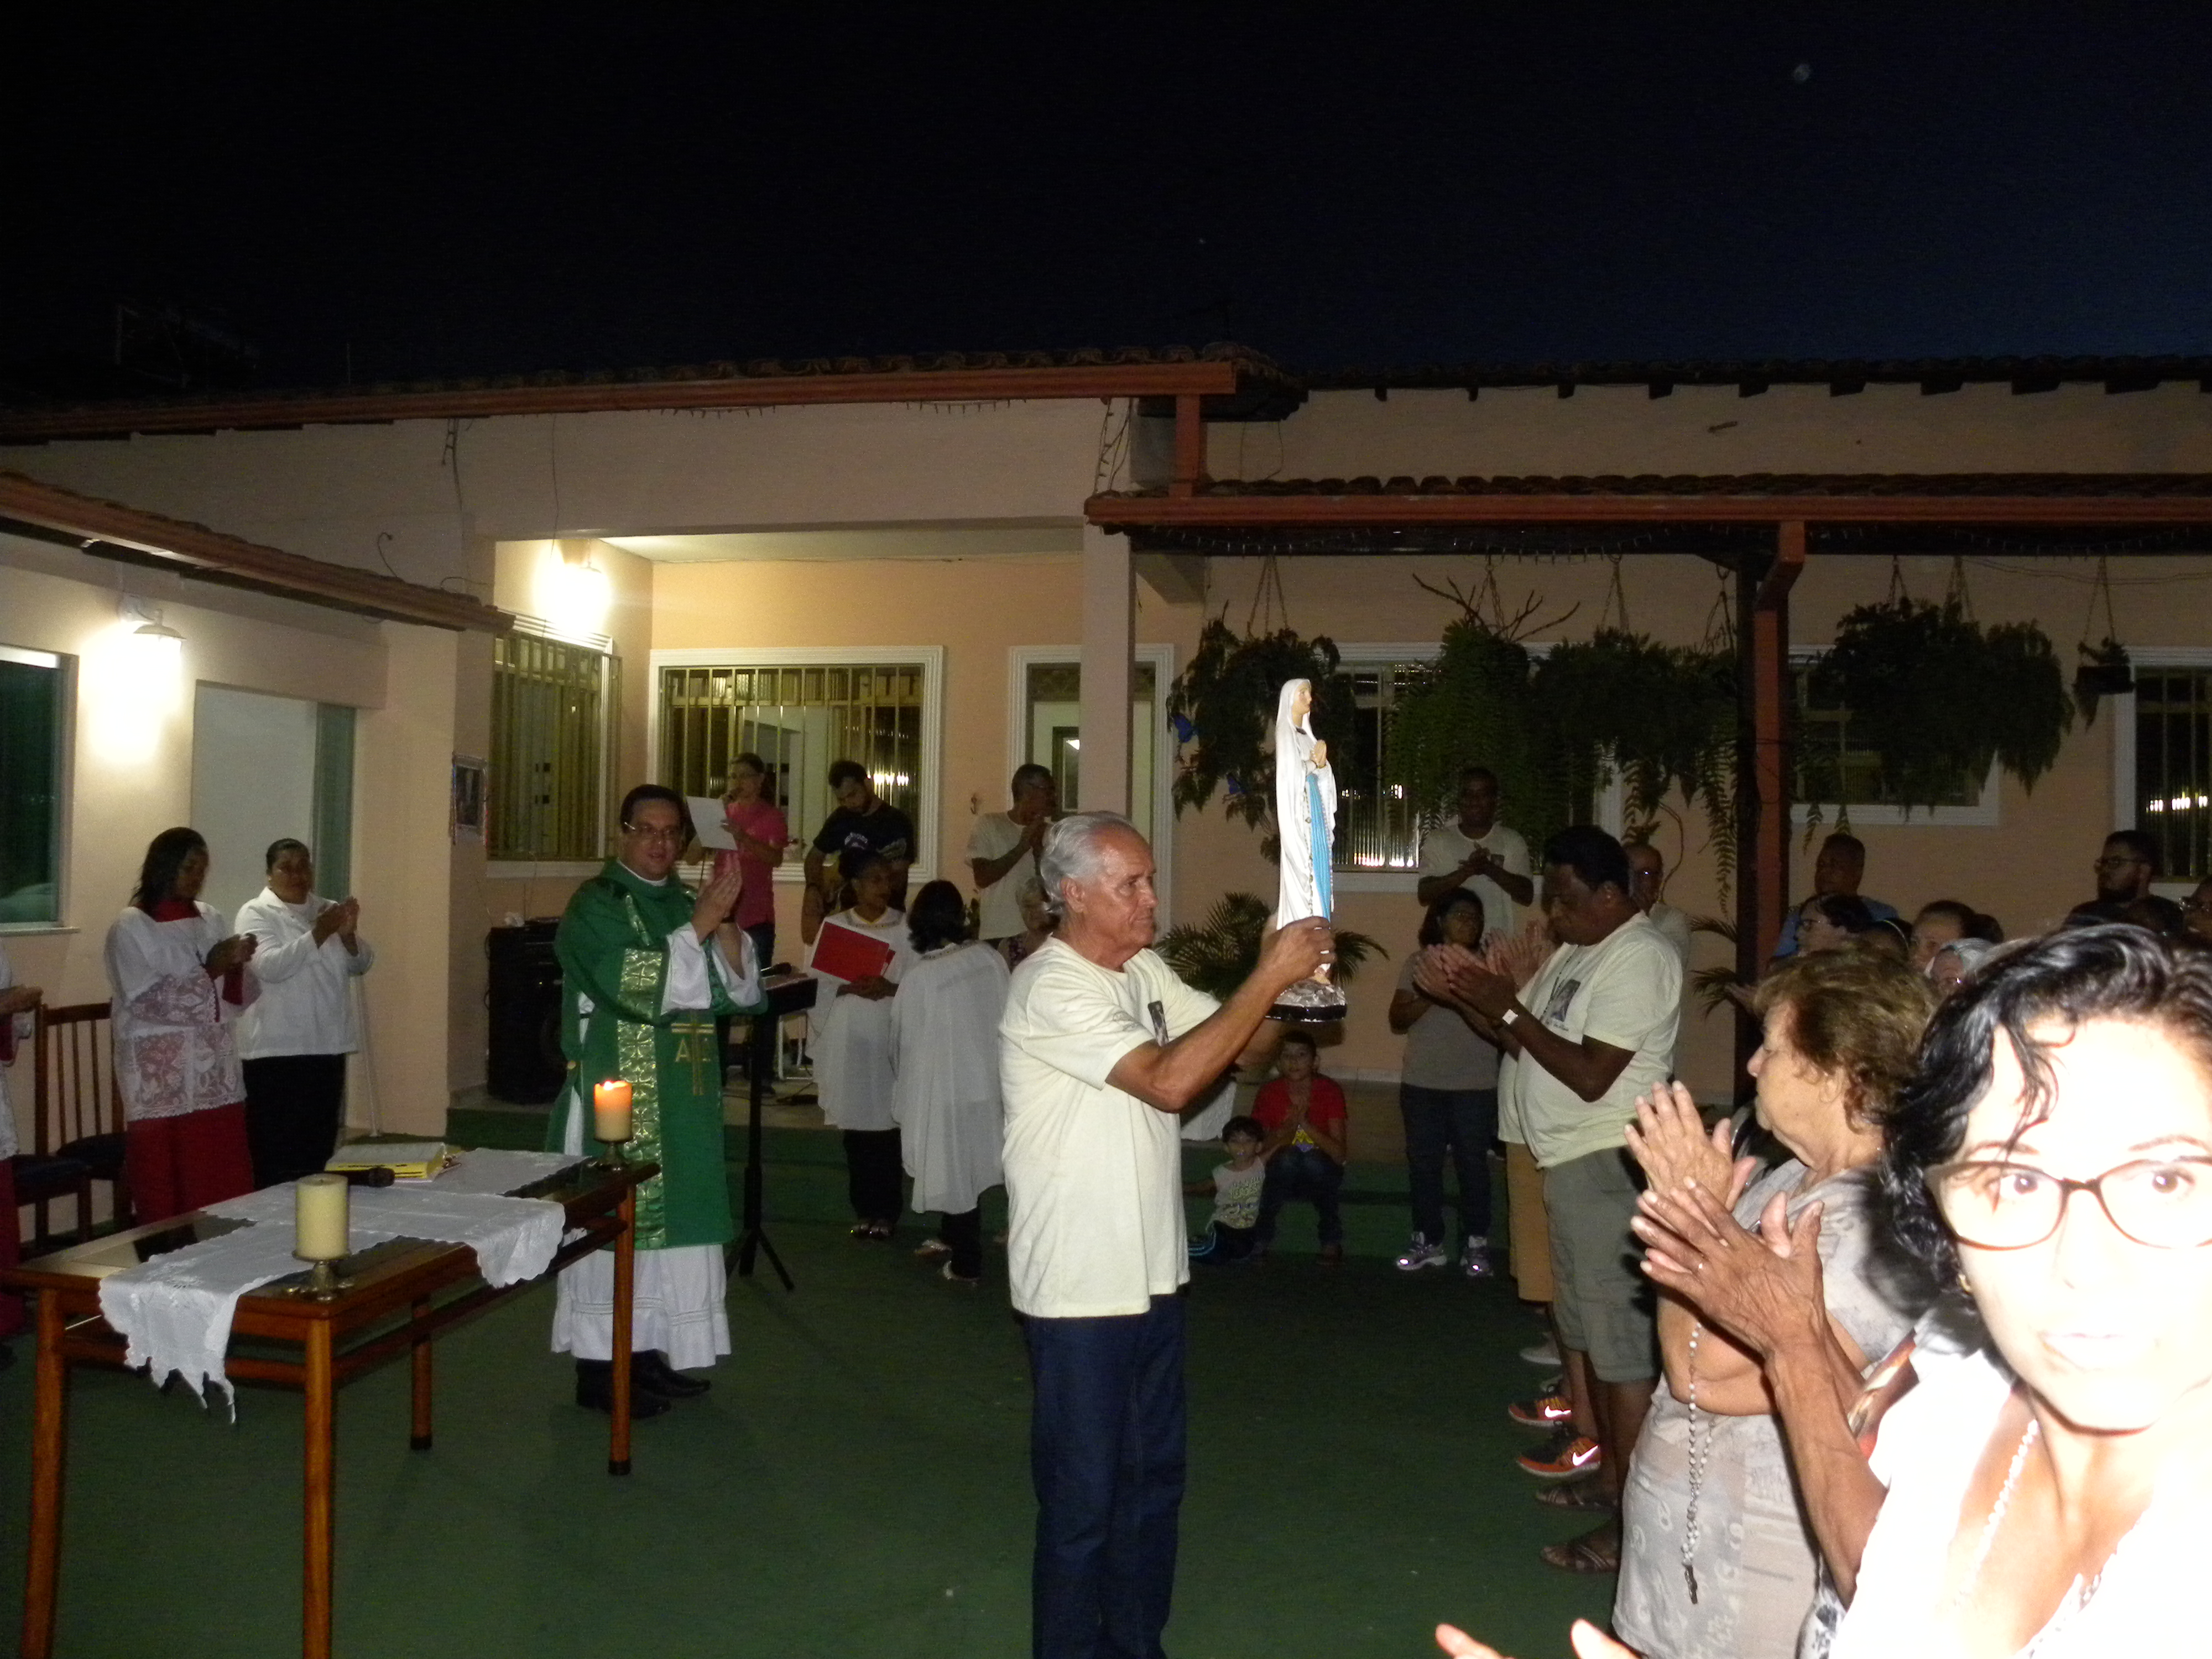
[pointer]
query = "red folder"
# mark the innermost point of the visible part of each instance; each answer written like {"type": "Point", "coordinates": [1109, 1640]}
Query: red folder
{"type": "Point", "coordinates": [848, 954]}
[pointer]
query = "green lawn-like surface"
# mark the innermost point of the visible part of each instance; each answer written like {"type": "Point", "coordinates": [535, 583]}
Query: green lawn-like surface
{"type": "Point", "coordinates": [856, 1484]}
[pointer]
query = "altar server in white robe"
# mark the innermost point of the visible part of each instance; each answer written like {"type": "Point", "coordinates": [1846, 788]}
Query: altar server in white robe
{"type": "Point", "coordinates": [852, 1046]}
{"type": "Point", "coordinates": [951, 1120]}
{"type": "Point", "coordinates": [179, 982]}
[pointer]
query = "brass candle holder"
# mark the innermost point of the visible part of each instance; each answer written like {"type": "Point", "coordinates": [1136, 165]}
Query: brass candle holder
{"type": "Point", "coordinates": [322, 1283]}
{"type": "Point", "coordinates": [613, 1157]}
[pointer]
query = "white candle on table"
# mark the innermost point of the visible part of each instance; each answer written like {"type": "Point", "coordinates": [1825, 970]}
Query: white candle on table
{"type": "Point", "coordinates": [319, 1222]}
{"type": "Point", "coordinates": [611, 1109]}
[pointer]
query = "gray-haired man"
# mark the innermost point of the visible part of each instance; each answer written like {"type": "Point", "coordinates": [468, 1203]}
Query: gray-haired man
{"type": "Point", "coordinates": [1100, 1047]}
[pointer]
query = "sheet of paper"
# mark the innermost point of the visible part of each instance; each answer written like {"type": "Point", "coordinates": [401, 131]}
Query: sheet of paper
{"type": "Point", "coordinates": [709, 825]}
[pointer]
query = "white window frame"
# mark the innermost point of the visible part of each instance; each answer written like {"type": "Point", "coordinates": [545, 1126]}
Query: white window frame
{"type": "Point", "coordinates": [1161, 831]}
{"type": "Point", "coordinates": [929, 659]}
{"type": "Point", "coordinates": [1986, 813]}
{"type": "Point", "coordinates": [2121, 710]}
{"type": "Point", "coordinates": [64, 835]}
{"type": "Point", "coordinates": [1612, 801]}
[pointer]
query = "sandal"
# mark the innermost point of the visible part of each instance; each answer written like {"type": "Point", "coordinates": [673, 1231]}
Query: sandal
{"type": "Point", "coordinates": [1589, 1495]}
{"type": "Point", "coordinates": [1594, 1552]}
{"type": "Point", "coordinates": [880, 1230]}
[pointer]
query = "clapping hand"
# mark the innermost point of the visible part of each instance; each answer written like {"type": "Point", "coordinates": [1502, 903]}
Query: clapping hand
{"type": "Point", "coordinates": [233, 953]}
{"type": "Point", "coordinates": [1761, 1288]}
{"type": "Point", "coordinates": [1668, 1139]}
{"type": "Point", "coordinates": [1520, 956]}
{"type": "Point", "coordinates": [717, 899]}
{"type": "Point", "coordinates": [1589, 1643]}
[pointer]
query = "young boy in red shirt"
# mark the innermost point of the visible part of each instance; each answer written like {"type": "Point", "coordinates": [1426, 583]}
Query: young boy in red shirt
{"type": "Point", "coordinates": [1303, 1113]}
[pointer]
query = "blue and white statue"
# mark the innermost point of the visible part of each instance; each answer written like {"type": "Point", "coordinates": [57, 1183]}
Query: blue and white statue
{"type": "Point", "coordinates": [1305, 823]}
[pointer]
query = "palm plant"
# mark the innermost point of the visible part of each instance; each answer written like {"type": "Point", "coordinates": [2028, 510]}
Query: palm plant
{"type": "Point", "coordinates": [1219, 954]}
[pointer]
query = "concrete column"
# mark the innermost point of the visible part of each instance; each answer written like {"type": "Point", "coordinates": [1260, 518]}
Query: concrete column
{"type": "Point", "coordinates": [1110, 642]}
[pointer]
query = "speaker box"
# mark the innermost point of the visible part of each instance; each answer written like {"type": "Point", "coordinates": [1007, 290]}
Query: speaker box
{"type": "Point", "coordinates": [525, 1065]}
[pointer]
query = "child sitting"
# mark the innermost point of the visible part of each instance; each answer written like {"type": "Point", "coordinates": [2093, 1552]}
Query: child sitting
{"type": "Point", "coordinates": [1303, 1115]}
{"type": "Point", "coordinates": [1235, 1191]}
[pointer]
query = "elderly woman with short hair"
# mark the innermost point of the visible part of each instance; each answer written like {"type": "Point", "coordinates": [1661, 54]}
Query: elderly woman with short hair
{"type": "Point", "coordinates": [1716, 1558]}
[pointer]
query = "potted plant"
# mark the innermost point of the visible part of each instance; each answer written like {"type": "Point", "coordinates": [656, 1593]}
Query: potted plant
{"type": "Point", "coordinates": [1219, 954]}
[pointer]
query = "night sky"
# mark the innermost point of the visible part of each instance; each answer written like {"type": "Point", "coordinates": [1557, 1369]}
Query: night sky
{"type": "Point", "coordinates": [471, 189]}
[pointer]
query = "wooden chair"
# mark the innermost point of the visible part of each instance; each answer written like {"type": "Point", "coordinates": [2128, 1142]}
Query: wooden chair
{"type": "Point", "coordinates": [80, 1111]}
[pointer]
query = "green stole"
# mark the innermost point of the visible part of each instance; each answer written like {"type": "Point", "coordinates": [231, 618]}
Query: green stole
{"type": "Point", "coordinates": [613, 948]}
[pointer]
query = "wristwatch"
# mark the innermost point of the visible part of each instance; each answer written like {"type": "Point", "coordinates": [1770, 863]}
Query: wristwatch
{"type": "Point", "coordinates": [1507, 1017]}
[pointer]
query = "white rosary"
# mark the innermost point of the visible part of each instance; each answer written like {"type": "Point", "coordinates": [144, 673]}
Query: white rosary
{"type": "Point", "coordinates": [1989, 1538]}
{"type": "Point", "coordinates": [1700, 1445]}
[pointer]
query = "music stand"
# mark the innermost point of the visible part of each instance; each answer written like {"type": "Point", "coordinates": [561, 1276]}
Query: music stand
{"type": "Point", "coordinates": [791, 994]}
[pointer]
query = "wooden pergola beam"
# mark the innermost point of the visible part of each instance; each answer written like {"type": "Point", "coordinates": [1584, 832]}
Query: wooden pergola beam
{"type": "Point", "coordinates": [250, 412]}
{"type": "Point", "coordinates": [80, 519]}
{"type": "Point", "coordinates": [1226, 511]}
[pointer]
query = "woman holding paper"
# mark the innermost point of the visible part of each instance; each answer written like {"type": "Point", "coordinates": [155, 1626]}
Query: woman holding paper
{"type": "Point", "coordinates": [862, 952]}
{"type": "Point", "coordinates": [179, 984]}
{"type": "Point", "coordinates": [757, 824]}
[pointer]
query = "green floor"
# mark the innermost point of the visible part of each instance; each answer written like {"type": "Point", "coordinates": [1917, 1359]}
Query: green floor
{"type": "Point", "coordinates": [855, 1484]}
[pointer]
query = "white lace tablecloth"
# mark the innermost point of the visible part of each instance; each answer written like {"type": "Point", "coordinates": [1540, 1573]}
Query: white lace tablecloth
{"type": "Point", "coordinates": [174, 1312]}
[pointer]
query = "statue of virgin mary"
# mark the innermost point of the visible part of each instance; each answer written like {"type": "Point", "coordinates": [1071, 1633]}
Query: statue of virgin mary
{"type": "Point", "coordinates": [1305, 823]}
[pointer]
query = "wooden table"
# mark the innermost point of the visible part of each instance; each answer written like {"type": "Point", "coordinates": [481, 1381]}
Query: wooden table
{"type": "Point", "coordinates": [403, 1293]}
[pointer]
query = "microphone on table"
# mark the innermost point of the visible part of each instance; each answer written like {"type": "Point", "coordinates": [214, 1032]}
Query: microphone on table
{"type": "Point", "coordinates": [380, 1175]}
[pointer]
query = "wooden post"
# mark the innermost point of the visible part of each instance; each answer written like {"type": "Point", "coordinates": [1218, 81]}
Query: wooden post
{"type": "Point", "coordinates": [320, 1470]}
{"type": "Point", "coordinates": [1189, 447]}
{"type": "Point", "coordinates": [625, 1290]}
{"type": "Point", "coordinates": [419, 1438]}
{"type": "Point", "coordinates": [1109, 644]}
{"type": "Point", "coordinates": [1763, 854]}
{"type": "Point", "coordinates": [49, 1447]}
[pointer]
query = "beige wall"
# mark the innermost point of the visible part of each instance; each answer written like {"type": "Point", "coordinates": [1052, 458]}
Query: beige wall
{"type": "Point", "coordinates": [130, 775]}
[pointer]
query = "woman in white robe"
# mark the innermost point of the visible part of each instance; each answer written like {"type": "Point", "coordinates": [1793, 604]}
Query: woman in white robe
{"type": "Point", "coordinates": [179, 984]}
{"type": "Point", "coordinates": [945, 1023]}
{"type": "Point", "coordinates": [852, 1047]}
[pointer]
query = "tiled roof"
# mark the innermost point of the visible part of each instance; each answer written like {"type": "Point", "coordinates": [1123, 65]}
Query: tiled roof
{"type": "Point", "coordinates": [45, 511]}
{"type": "Point", "coordinates": [1130, 371]}
{"type": "Point", "coordinates": [1752, 376]}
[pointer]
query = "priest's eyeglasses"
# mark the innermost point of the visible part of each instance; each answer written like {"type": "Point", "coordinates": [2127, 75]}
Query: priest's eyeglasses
{"type": "Point", "coordinates": [674, 834]}
{"type": "Point", "coordinates": [2164, 1202]}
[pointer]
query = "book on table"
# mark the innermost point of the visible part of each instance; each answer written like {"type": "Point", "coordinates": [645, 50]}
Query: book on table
{"type": "Point", "coordinates": [408, 1160]}
{"type": "Point", "coordinates": [848, 954]}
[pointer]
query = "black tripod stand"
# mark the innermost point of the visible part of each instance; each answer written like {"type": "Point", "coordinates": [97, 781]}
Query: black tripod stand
{"type": "Point", "coordinates": [795, 994]}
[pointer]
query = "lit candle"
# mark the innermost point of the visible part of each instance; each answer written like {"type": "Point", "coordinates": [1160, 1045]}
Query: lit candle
{"type": "Point", "coordinates": [320, 1223]}
{"type": "Point", "coordinates": [611, 1110]}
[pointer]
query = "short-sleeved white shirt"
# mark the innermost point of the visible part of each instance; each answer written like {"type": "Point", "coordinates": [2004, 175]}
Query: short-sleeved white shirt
{"type": "Point", "coordinates": [1446, 846]}
{"type": "Point", "coordinates": [998, 906]}
{"type": "Point", "coordinates": [1094, 1175]}
{"type": "Point", "coordinates": [1626, 991]}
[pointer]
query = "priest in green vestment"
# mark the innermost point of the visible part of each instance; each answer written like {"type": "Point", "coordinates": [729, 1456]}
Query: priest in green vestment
{"type": "Point", "coordinates": [646, 965]}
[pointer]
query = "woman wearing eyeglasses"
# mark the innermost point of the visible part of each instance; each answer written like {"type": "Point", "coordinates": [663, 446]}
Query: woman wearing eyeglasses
{"type": "Point", "coordinates": [2049, 1495]}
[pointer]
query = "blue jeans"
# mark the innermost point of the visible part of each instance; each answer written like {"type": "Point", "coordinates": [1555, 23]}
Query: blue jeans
{"type": "Point", "coordinates": [1465, 1120]}
{"type": "Point", "coordinates": [1302, 1172]}
{"type": "Point", "coordinates": [1107, 1456]}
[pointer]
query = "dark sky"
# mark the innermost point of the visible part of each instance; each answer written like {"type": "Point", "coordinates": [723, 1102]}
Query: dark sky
{"type": "Point", "coordinates": [468, 188]}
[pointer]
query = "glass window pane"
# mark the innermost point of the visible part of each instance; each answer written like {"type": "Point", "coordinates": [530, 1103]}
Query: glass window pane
{"type": "Point", "coordinates": [31, 718]}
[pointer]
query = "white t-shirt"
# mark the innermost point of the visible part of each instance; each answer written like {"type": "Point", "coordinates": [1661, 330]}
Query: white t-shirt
{"type": "Point", "coordinates": [1446, 846]}
{"type": "Point", "coordinates": [1094, 1175]}
{"type": "Point", "coordinates": [999, 905]}
{"type": "Point", "coordinates": [1626, 991]}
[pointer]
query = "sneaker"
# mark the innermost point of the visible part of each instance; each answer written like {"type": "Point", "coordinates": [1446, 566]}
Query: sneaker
{"type": "Point", "coordinates": [932, 1246]}
{"type": "Point", "coordinates": [1544, 1354]}
{"type": "Point", "coordinates": [1421, 1254]}
{"type": "Point", "coordinates": [1546, 1411]}
{"type": "Point", "coordinates": [946, 1273]}
{"type": "Point", "coordinates": [1474, 1259]}
{"type": "Point", "coordinates": [1563, 1456]}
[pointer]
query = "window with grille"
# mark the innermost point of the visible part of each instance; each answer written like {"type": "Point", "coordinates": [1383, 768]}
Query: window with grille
{"type": "Point", "coordinates": [1377, 829]}
{"type": "Point", "coordinates": [1836, 765]}
{"type": "Point", "coordinates": [2174, 768]}
{"type": "Point", "coordinates": [551, 710]}
{"type": "Point", "coordinates": [33, 706]}
{"type": "Point", "coordinates": [798, 718]}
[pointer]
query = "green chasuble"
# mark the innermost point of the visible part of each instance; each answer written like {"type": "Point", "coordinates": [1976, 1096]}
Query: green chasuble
{"type": "Point", "coordinates": [613, 947]}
